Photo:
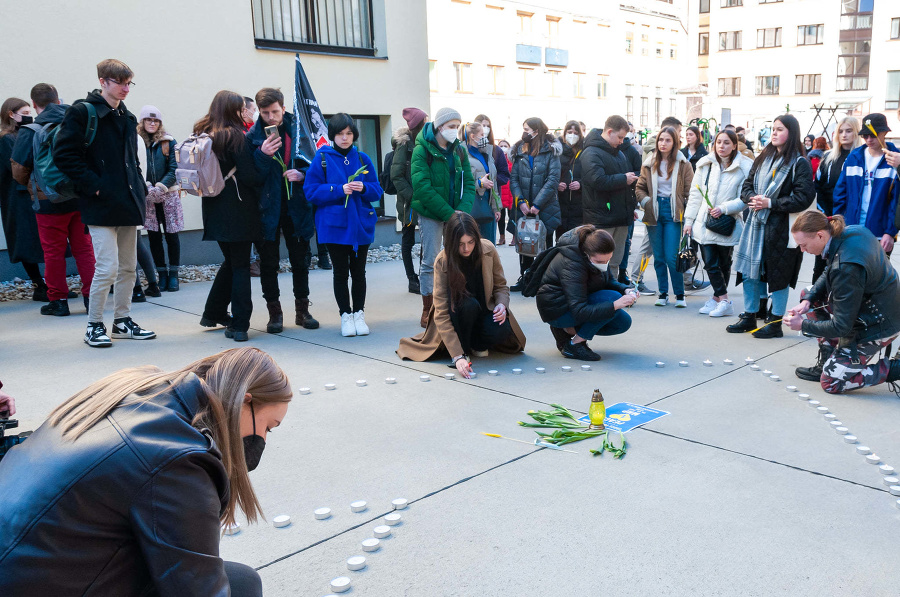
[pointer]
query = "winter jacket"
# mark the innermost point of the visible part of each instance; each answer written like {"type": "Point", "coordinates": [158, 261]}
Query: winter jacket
{"type": "Point", "coordinates": [130, 508]}
{"type": "Point", "coordinates": [233, 215]}
{"type": "Point", "coordinates": [724, 192]}
{"type": "Point", "coordinates": [633, 156]}
{"type": "Point", "coordinates": [568, 281]}
{"type": "Point", "coordinates": [435, 194]}
{"type": "Point", "coordinates": [23, 161]}
{"type": "Point", "coordinates": [481, 161]}
{"type": "Point", "coordinates": [273, 190]}
{"type": "Point", "coordinates": [606, 195]}
{"type": "Point", "coordinates": [19, 223]}
{"type": "Point", "coordinates": [354, 224]}
{"type": "Point", "coordinates": [781, 265]}
{"type": "Point", "coordinates": [572, 211]}
{"type": "Point", "coordinates": [885, 191]}
{"type": "Point", "coordinates": [161, 167]}
{"type": "Point", "coordinates": [404, 145]}
{"type": "Point", "coordinates": [826, 178]}
{"type": "Point", "coordinates": [746, 151]}
{"type": "Point", "coordinates": [862, 288]}
{"type": "Point", "coordinates": [537, 184]}
{"type": "Point", "coordinates": [506, 197]}
{"type": "Point", "coordinates": [107, 174]}
{"type": "Point", "coordinates": [682, 175]}
{"type": "Point", "coordinates": [502, 166]}
{"type": "Point", "coordinates": [701, 151]}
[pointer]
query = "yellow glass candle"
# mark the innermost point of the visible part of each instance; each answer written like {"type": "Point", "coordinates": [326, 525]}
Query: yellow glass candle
{"type": "Point", "coordinates": [597, 411]}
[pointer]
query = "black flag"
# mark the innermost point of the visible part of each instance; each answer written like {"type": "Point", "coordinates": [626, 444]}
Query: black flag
{"type": "Point", "coordinates": [310, 130]}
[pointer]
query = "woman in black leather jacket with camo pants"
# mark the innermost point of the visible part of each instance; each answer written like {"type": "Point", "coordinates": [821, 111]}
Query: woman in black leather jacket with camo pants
{"type": "Point", "coordinates": [853, 308]}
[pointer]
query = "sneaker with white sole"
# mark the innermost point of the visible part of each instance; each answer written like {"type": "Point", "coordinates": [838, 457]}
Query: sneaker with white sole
{"type": "Point", "coordinates": [707, 308]}
{"type": "Point", "coordinates": [722, 309]}
{"type": "Point", "coordinates": [348, 327]}
{"type": "Point", "coordinates": [359, 321]}
{"type": "Point", "coordinates": [126, 328]}
{"type": "Point", "coordinates": [96, 336]}
{"type": "Point", "coordinates": [662, 301]}
{"type": "Point", "coordinates": [680, 303]}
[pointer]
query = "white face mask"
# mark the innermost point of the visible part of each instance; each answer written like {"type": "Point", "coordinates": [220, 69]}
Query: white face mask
{"type": "Point", "coordinates": [449, 135]}
{"type": "Point", "coordinates": [505, 150]}
{"type": "Point", "coordinates": [600, 266]}
{"type": "Point", "coordinates": [571, 138]}
{"type": "Point", "coordinates": [487, 130]}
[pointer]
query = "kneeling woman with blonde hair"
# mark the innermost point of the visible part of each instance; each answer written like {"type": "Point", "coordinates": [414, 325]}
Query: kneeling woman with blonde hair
{"type": "Point", "coordinates": [470, 314]}
{"type": "Point", "coordinates": [124, 489]}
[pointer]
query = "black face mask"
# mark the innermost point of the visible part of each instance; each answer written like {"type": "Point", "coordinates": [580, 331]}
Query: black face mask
{"type": "Point", "coordinates": [25, 120]}
{"type": "Point", "coordinates": [253, 445]}
{"type": "Point", "coordinates": [526, 137]}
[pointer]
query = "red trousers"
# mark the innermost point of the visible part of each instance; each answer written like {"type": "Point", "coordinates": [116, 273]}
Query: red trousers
{"type": "Point", "coordinates": [58, 231]}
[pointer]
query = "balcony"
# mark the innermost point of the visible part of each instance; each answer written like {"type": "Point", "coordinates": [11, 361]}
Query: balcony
{"type": "Point", "coordinates": [528, 54]}
{"type": "Point", "coordinates": [556, 57]}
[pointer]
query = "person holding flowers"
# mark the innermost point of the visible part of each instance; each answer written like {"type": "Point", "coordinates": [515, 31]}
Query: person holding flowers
{"type": "Point", "coordinates": [867, 191]}
{"type": "Point", "coordinates": [716, 193]}
{"type": "Point", "coordinates": [343, 184]}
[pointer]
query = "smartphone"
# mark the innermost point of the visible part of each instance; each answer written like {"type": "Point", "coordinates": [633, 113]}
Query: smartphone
{"type": "Point", "coordinates": [271, 131]}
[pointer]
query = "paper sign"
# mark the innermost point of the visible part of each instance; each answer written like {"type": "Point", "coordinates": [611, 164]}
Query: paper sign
{"type": "Point", "coordinates": [624, 416]}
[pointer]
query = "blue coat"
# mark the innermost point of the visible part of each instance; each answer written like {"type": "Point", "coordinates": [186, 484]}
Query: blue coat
{"type": "Point", "coordinates": [352, 225]}
{"type": "Point", "coordinates": [885, 192]}
{"type": "Point", "coordinates": [273, 187]}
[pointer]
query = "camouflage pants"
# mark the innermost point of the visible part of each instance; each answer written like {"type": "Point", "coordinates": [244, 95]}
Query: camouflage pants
{"type": "Point", "coordinates": [843, 371]}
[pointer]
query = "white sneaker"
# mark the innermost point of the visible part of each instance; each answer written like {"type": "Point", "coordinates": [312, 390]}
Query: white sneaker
{"type": "Point", "coordinates": [680, 303]}
{"type": "Point", "coordinates": [722, 309]}
{"type": "Point", "coordinates": [480, 353]}
{"type": "Point", "coordinates": [348, 327]}
{"type": "Point", "coordinates": [708, 306]}
{"type": "Point", "coordinates": [661, 301]}
{"type": "Point", "coordinates": [359, 321]}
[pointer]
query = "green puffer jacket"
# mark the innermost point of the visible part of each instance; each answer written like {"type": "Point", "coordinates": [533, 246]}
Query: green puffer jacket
{"type": "Point", "coordinates": [431, 179]}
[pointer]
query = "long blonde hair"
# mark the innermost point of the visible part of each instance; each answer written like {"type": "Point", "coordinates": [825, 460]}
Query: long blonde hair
{"type": "Point", "coordinates": [835, 150]}
{"type": "Point", "coordinates": [226, 378]}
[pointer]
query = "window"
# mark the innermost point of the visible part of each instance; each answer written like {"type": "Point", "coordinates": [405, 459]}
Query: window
{"type": "Point", "coordinates": [703, 48]}
{"type": "Point", "coordinates": [659, 92]}
{"type": "Point", "coordinates": [497, 80]}
{"type": "Point", "coordinates": [856, 14]}
{"type": "Point", "coordinates": [768, 38]}
{"type": "Point", "coordinates": [645, 51]}
{"type": "Point", "coordinates": [659, 51]}
{"type": "Point", "coordinates": [629, 108]}
{"type": "Point", "coordinates": [809, 35]}
{"type": "Point", "coordinates": [853, 66]}
{"type": "Point", "coordinates": [892, 102]}
{"type": "Point", "coordinates": [645, 106]}
{"type": "Point", "coordinates": [730, 40]}
{"type": "Point", "coordinates": [768, 85]}
{"type": "Point", "coordinates": [895, 28]}
{"type": "Point", "coordinates": [807, 84]}
{"type": "Point", "coordinates": [526, 76]}
{"type": "Point", "coordinates": [525, 22]}
{"type": "Point", "coordinates": [673, 52]}
{"type": "Point", "coordinates": [332, 26]}
{"type": "Point", "coordinates": [769, 1]}
{"type": "Point", "coordinates": [552, 32]}
{"type": "Point", "coordinates": [645, 37]}
{"type": "Point", "coordinates": [602, 81]}
{"type": "Point", "coordinates": [629, 42]}
{"type": "Point", "coordinates": [463, 77]}
{"type": "Point", "coordinates": [730, 87]}
{"type": "Point", "coordinates": [657, 110]}
{"type": "Point", "coordinates": [704, 6]}
{"type": "Point", "coordinates": [554, 83]}
{"type": "Point", "coordinates": [580, 79]}
{"type": "Point", "coordinates": [730, 3]}
{"type": "Point", "coordinates": [433, 74]}
{"type": "Point", "coordinates": [672, 107]}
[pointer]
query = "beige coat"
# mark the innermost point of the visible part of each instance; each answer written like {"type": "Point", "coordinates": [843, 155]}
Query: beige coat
{"type": "Point", "coordinates": [440, 334]}
{"type": "Point", "coordinates": [682, 175]}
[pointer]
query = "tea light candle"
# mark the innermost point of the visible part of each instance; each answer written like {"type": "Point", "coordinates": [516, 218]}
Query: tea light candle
{"type": "Point", "coordinates": [822, 409]}
{"type": "Point", "coordinates": [281, 521]}
{"type": "Point", "coordinates": [660, 364]}
{"type": "Point", "coordinates": [850, 439]}
{"type": "Point", "coordinates": [424, 378]}
{"type": "Point", "coordinates": [707, 363]}
{"type": "Point", "coordinates": [473, 375]}
{"type": "Point", "coordinates": [233, 529]}
{"type": "Point", "coordinates": [791, 388]}
{"type": "Point", "coordinates": [891, 481]}
{"type": "Point", "coordinates": [682, 363]}
{"type": "Point", "coordinates": [360, 382]}
{"type": "Point", "coordinates": [340, 585]}
{"type": "Point", "coordinates": [803, 397]}
{"type": "Point", "coordinates": [873, 459]}
{"type": "Point", "coordinates": [830, 417]}
{"type": "Point", "coordinates": [774, 378]}
{"type": "Point", "coordinates": [540, 370]}
{"type": "Point", "coordinates": [392, 519]}
{"type": "Point", "coordinates": [835, 424]}
{"type": "Point", "coordinates": [356, 563]}
{"type": "Point", "coordinates": [749, 360]}
{"type": "Point", "coordinates": [390, 380]}
{"type": "Point", "coordinates": [728, 362]}
{"type": "Point", "coordinates": [886, 470]}
{"type": "Point", "coordinates": [304, 391]}
{"type": "Point", "coordinates": [894, 489]}
{"type": "Point", "coordinates": [493, 372]}
{"type": "Point", "coordinates": [449, 376]}
{"type": "Point", "coordinates": [841, 430]}
{"type": "Point", "coordinates": [371, 544]}
{"type": "Point", "coordinates": [322, 513]}
{"type": "Point", "coordinates": [766, 372]}
{"type": "Point", "coordinates": [566, 369]}
{"type": "Point", "coordinates": [755, 367]}
{"type": "Point", "coordinates": [864, 450]}
{"type": "Point", "coordinates": [382, 531]}
{"type": "Point", "coordinates": [585, 367]}
{"type": "Point", "coordinates": [517, 371]}
{"type": "Point", "coordinates": [359, 506]}
{"type": "Point", "coordinates": [814, 403]}
{"type": "Point", "coordinates": [330, 386]}
{"type": "Point", "coordinates": [400, 503]}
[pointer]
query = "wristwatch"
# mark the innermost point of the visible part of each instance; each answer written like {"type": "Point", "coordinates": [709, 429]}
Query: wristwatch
{"type": "Point", "coordinates": [462, 356]}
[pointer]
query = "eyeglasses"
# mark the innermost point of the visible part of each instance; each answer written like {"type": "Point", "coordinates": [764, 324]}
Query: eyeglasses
{"type": "Point", "coordinates": [129, 84]}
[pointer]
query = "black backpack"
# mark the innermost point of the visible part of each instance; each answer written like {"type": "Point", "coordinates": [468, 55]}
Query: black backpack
{"type": "Point", "coordinates": [534, 275]}
{"type": "Point", "coordinates": [385, 178]}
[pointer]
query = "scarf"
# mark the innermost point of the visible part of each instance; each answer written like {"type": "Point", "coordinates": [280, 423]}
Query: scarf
{"type": "Point", "coordinates": [768, 180]}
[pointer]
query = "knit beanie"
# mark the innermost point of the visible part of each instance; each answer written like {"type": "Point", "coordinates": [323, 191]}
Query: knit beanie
{"type": "Point", "coordinates": [413, 117]}
{"type": "Point", "coordinates": [150, 112]}
{"type": "Point", "coordinates": [445, 115]}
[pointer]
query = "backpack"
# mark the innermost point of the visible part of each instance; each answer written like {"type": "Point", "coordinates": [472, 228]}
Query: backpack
{"type": "Point", "coordinates": [55, 185]}
{"type": "Point", "coordinates": [534, 275]}
{"type": "Point", "coordinates": [531, 236]}
{"type": "Point", "coordinates": [385, 179]}
{"type": "Point", "coordinates": [198, 171]}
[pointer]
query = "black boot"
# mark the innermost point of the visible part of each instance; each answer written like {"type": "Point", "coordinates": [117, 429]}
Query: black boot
{"type": "Point", "coordinates": [303, 317]}
{"type": "Point", "coordinates": [137, 294]}
{"type": "Point", "coordinates": [763, 308]}
{"type": "Point", "coordinates": [561, 336]}
{"type": "Point", "coordinates": [414, 284]}
{"type": "Point", "coordinates": [163, 274]}
{"type": "Point", "coordinates": [276, 318]}
{"type": "Point", "coordinates": [894, 371]}
{"type": "Point", "coordinates": [324, 261]}
{"type": "Point", "coordinates": [519, 285]}
{"type": "Point", "coordinates": [173, 285]}
{"type": "Point", "coordinates": [771, 329]}
{"type": "Point", "coordinates": [40, 293]}
{"type": "Point", "coordinates": [814, 373]}
{"type": "Point", "coordinates": [746, 323]}
{"type": "Point", "coordinates": [57, 308]}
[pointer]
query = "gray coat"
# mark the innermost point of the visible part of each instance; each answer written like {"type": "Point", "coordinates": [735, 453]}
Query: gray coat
{"type": "Point", "coordinates": [537, 185]}
{"type": "Point", "coordinates": [478, 173]}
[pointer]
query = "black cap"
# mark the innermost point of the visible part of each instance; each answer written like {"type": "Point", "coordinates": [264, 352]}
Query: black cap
{"type": "Point", "coordinates": [877, 122]}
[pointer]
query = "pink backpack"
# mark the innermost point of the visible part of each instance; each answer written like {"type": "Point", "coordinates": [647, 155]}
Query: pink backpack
{"type": "Point", "coordinates": [198, 170]}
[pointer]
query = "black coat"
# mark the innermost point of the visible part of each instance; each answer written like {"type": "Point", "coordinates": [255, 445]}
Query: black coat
{"type": "Point", "coordinates": [161, 168]}
{"type": "Point", "coordinates": [569, 280]}
{"type": "Point", "coordinates": [701, 151]}
{"type": "Point", "coordinates": [19, 223]}
{"type": "Point", "coordinates": [233, 215]}
{"type": "Point", "coordinates": [537, 185]}
{"type": "Point", "coordinates": [635, 162]}
{"type": "Point", "coordinates": [110, 165]}
{"type": "Point", "coordinates": [570, 201]}
{"type": "Point", "coordinates": [781, 265]}
{"type": "Point", "coordinates": [826, 179]}
{"type": "Point", "coordinates": [862, 288]}
{"type": "Point", "coordinates": [607, 198]}
{"type": "Point", "coordinates": [130, 508]}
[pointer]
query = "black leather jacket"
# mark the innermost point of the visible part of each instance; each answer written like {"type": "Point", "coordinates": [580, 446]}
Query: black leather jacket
{"type": "Point", "coordinates": [129, 508]}
{"type": "Point", "coordinates": [862, 288]}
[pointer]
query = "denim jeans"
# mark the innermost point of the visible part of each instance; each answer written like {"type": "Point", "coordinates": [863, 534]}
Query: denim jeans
{"type": "Point", "coordinates": [623, 265]}
{"type": "Point", "coordinates": [754, 290]}
{"type": "Point", "coordinates": [617, 324]}
{"type": "Point", "coordinates": [488, 231]}
{"type": "Point", "coordinates": [664, 238]}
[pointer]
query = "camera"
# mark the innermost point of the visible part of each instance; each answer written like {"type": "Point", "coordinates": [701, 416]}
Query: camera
{"type": "Point", "coordinates": [7, 442]}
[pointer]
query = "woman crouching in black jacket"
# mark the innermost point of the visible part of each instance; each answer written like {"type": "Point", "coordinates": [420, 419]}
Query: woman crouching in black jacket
{"type": "Point", "coordinates": [139, 471]}
{"type": "Point", "coordinates": [578, 297]}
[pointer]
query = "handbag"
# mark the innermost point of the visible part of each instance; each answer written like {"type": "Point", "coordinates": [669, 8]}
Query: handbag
{"type": "Point", "coordinates": [687, 258]}
{"type": "Point", "coordinates": [724, 224]}
{"type": "Point", "coordinates": [481, 209]}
